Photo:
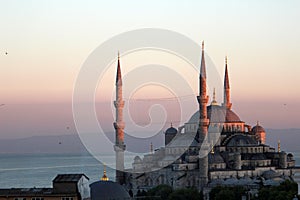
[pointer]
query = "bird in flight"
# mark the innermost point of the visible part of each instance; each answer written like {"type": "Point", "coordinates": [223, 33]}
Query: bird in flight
{"type": "Point", "coordinates": [6, 53]}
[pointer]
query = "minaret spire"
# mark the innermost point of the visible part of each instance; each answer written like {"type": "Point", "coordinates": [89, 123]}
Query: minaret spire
{"type": "Point", "coordinates": [226, 102]}
{"type": "Point", "coordinates": [203, 125]}
{"type": "Point", "coordinates": [203, 66]}
{"type": "Point", "coordinates": [119, 74]}
{"type": "Point", "coordinates": [119, 127]}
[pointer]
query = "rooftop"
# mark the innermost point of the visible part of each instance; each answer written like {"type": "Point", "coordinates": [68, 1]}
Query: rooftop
{"type": "Point", "coordinates": [68, 178]}
{"type": "Point", "coordinates": [30, 192]}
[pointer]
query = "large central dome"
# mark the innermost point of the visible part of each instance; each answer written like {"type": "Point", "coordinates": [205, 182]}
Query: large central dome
{"type": "Point", "coordinates": [217, 114]}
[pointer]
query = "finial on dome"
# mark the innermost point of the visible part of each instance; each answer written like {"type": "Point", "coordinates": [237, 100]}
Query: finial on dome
{"type": "Point", "coordinates": [118, 55]}
{"type": "Point", "coordinates": [214, 94]}
{"type": "Point", "coordinates": [171, 124]}
{"type": "Point", "coordinates": [203, 45]}
{"type": "Point", "coordinates": [226, 60]}
{"type": "Point", "coordinates": [104, 177]}
{"type": "Point", "coordinates": [279, 149]}
{"type": "Point", "coordinates": [214, 101]}
{"type": "Point", "coordinates": [257, 124]}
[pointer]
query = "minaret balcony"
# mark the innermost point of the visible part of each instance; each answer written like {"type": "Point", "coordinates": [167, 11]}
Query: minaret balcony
{"type": "Point", "coordinates": [119, 103]}
{"type": "Point", "coordinates": [119, 147]}
{"type": "Point", "coordinates": [119, 125]}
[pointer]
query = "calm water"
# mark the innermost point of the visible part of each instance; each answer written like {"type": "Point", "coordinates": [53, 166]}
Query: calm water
{"type": "Point", "coordinates": [39, 170]}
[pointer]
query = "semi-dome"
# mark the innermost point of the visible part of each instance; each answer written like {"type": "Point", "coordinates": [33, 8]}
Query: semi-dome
{"type": "Point", "coordinates": [240, 140]}
{"type": "Point", "coordinates": [105, 190]}
{"type": "Point", "coordinates": [217, 114]}
{"type": "Point", "coordinates": [171, 131]}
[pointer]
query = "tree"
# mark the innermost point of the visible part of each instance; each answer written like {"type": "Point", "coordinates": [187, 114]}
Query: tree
{"type": "Point", "coordinates": [286, 190]}
{"type": "Point", "coordinates": [160, 191]}
{"type": "Point", "coordinates": [188, 193]}
{"type": "Point", "coordinates": [163, 192]}
{"type": "Point", "coordinates": [228, 193]}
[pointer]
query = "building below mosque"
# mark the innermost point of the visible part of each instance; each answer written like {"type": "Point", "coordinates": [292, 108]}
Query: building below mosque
{"type": "Point", "coordinates": [65, 187]}
{"type": "Point", "coordinates": [215, 147]}
{"type": "Point", "coordinates": [70, 187]}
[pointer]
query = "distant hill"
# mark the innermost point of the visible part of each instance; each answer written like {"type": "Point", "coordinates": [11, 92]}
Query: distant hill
{"type": "Point", "coordinates": [73, 144]}
{"type": "Point", "coordinates": [43, 144]}
{"type": "Point", "coordinates": [290, 141]}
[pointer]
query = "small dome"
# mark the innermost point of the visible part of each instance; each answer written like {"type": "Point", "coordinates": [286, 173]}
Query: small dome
{"type": "Point", "coordinates": [258, 129]}
{"type": "Point", "coordinates": [105, 190]}
{"type": "Point", "coordinates": [171, 131]}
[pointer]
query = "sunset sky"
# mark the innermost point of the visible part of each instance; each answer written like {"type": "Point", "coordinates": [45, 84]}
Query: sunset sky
{"type": "Point", "coordinates": [48, 41]}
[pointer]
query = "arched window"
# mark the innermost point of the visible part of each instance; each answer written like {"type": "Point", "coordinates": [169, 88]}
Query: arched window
{"type": "Point", "coordinates": [149, 181]}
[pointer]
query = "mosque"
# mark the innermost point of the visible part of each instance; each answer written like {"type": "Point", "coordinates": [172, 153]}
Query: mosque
{"type": "Point", "coordinates": [215, 147]}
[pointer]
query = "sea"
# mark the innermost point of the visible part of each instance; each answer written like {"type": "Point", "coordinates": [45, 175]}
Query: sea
{"type": "Point", "coordinates": [38, 170]}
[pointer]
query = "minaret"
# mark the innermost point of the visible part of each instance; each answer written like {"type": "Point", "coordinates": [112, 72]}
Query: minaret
{"type": "Point", "coordinates": [203, 124]}
{"type": "Point", "coordinates": [119, 127]}
{"type": "Point", "coordinates": [202, 101]}
{"type": "Point", "coordinates": [227, 102]}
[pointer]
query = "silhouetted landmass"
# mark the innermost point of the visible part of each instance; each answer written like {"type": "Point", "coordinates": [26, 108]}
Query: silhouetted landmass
{"type": "Point", "coordinates": [289, 139]}
{"type": "Point", "coordinates": [43, 144]}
